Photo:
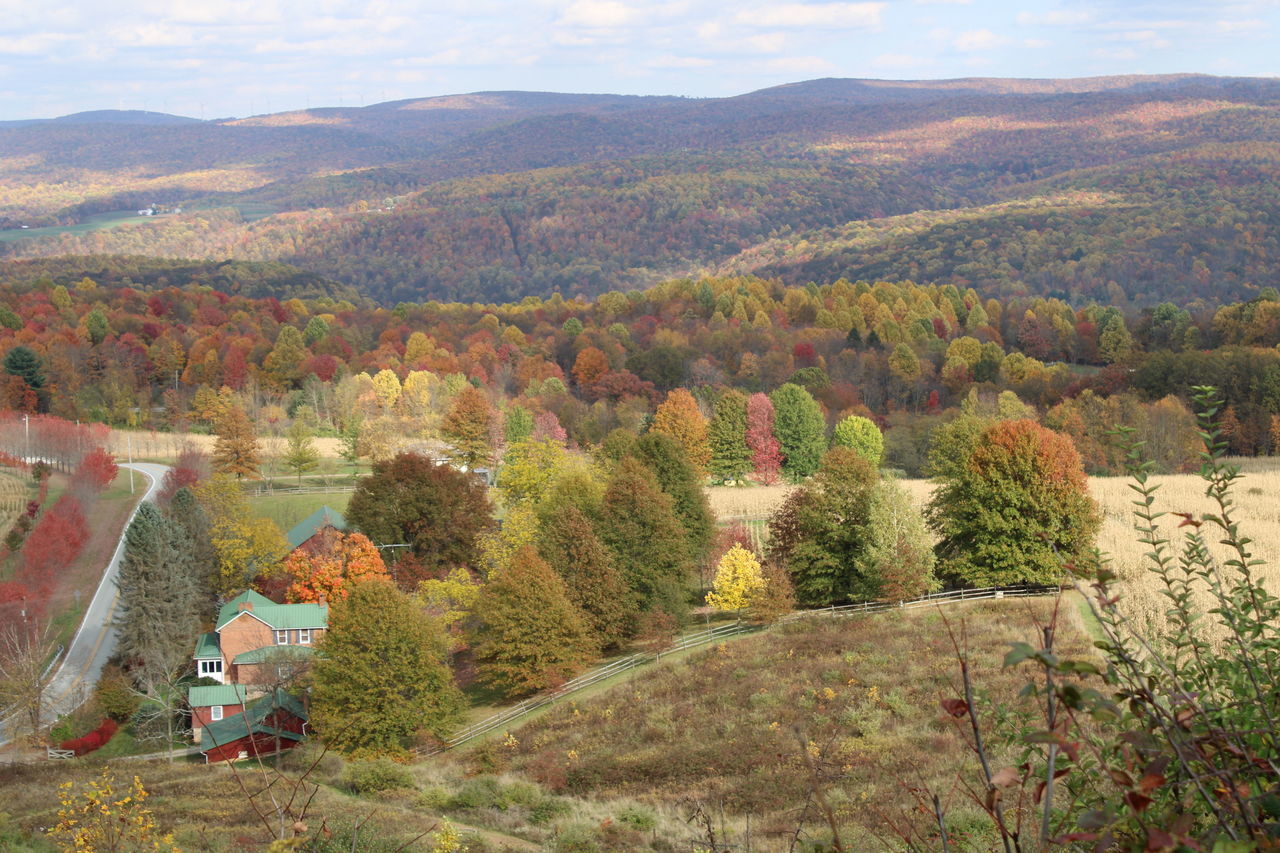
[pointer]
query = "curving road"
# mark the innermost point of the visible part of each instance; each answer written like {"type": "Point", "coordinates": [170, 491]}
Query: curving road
{"type": "Point", "coordinates": [95, 640]}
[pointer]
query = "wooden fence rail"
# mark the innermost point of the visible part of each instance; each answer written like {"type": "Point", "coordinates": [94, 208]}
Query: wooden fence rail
{"type": "Point", "coordinates": [710, 635]}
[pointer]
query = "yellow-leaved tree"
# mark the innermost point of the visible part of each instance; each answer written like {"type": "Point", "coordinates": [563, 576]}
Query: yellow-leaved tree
{"type": "Point", "coordinates": [101, 819]}
{"type": "Point", "coordinates": [739, 581]}
{"type": "Point", "coordinates": [247, 546]}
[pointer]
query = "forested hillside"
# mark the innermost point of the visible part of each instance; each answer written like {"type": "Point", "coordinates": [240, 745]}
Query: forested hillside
{"type": "Point", "coordinates": [1114, 188]}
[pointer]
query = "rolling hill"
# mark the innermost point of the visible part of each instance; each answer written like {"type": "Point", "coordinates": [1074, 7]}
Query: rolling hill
{"type": "Point", "coordinates": [1162, 187]}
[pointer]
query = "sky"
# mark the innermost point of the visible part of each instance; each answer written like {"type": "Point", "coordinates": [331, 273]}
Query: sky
{"type": "Point", "coordinates": [220, 58]}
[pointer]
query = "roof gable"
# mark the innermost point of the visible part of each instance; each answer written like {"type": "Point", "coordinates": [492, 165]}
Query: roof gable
{"type": "Point", "coordinates": [207, 647]}
{"type": "Point", "coordinates": [277, 616]}
{"type": "Point", "coordinates": [325, 516]}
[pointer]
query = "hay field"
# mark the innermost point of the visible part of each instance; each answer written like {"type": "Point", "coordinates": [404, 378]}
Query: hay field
{"type": "Point", "coordinates": [1257, 509]}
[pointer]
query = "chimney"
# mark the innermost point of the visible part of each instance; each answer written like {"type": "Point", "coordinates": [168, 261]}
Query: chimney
{"type": "Point", "coordinates": [322, 600]}
{"type": "Point", "coordinates": [246, 605]}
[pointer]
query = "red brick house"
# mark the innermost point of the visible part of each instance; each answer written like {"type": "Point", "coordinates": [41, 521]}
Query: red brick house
{"type": "Point", "coordinates": [257, 648]}
{"type": "Point", "coordinates": [254, 637]}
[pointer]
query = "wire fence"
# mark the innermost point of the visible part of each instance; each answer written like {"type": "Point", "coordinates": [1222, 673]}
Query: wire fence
{"type": "Point", "coordinates": [711, 635]}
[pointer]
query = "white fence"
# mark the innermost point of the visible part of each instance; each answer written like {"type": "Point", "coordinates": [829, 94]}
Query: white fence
{"type": "Point", "coordinates": [710, 635]}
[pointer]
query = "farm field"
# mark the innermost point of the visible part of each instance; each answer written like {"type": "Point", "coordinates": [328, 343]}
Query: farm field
{"type": "Point", "coordinates": [1257, 498]}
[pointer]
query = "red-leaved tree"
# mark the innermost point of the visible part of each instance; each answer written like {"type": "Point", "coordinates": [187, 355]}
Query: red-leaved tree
{"type": "Point", "coordinates": [191, 467]}
{"type": "Point", "coordinates": [53, 544]}
{"type": "Point", "coordinates": [97, 471]}
{"type": "Point", "coordinates": [766, 452]}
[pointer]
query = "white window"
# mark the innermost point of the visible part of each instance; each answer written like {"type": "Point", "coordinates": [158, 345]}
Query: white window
{"type": "Point", "coordinates": [304, 636]}
{"type": "Point", "coordinates": [211, 668]}
{"type": "Point", "coordinates": [282, 638]}
{"type": "Point", "coordinates": [215, 712]}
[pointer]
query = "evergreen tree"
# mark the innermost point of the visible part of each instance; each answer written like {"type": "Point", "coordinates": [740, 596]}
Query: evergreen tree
{"type": "Point", "coordinates": [160, 606]}
{"type": "Point", "coordinates": [646, 539]}
{"type": "Point", "coordinates": [381, 676]}
{"type": "Point", "coordinates": [468, 428]}
{"type": "Point", "coordinates": [663, 456]}
{"type": "Point", "coordinates": [300, 454]}
{"type": "Point", "coordinates": [317, 329]}
{"type": "Point", "coordinates": [529, 635]}
{"type": "Point", "coordinates": [801, 430]}
{"type": "Point", "coordinates": [197, 537]}
{"type": "Point", "coordinates": [236, 451]}
{"type": "Point", "coordinates": [283, 362]}
{"type": "Point", "coordinates": [727, 434]}
{"type": "Point", "coordinates": [570, 545]}
{"type": "Point", "coordinates": [22, 362]}
{"type": "Point", "coordinates": [680, 418]}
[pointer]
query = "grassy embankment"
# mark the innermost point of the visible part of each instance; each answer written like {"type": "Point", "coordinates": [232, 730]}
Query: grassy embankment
{"type": "Point", "coordinates": [728, 729]}
{"type": "Point", "coordinates": [76, 584]}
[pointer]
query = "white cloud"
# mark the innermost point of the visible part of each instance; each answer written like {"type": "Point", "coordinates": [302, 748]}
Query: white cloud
{"type": "Point", "coordinates": [1036, 44]}
{"type": "Point", "coordinates": [766, 42]}
{"type": "Point", "coordinates": [834, 15]}
{"type": "Point", "coordinates": [978, 40]}
{"type": "Point", "coordinates": [599, 14]}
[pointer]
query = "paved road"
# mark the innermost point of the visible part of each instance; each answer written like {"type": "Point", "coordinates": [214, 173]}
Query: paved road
{"type": "Point", "coordinates": [95, 641]}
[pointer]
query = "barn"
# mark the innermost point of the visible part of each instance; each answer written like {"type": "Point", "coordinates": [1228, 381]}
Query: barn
{"type": "Point", "coordinates": [271, 723]}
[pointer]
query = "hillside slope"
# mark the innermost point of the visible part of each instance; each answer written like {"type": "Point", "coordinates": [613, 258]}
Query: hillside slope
{"type": "Point", "coordinates": [498, 195]}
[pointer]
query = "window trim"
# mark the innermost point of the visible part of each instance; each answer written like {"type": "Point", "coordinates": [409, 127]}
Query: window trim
{"type": "Point", "coordinates": [210, 667]}
{"type": "Point", "coordinates": [215, 713]}
{"type": "Point", "coordinates": [285, 641]}
{"type": "Point", "coordinates": [304, 636]}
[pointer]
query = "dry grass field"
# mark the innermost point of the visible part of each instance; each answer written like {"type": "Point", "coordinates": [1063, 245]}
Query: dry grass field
{"type": "Point", "coordinates": [1257, 498]}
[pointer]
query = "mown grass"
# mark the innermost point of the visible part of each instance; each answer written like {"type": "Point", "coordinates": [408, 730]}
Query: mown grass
{"type": "Point", "coordinates": [288, 510]}
{"type": "Point", "coordinates": [728, 728]}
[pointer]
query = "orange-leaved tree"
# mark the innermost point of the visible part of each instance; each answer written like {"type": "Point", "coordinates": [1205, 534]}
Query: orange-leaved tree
{"type": "Point", "coordinates": [330, 564]}
{"type": "Point", "coordinates": [1017, 511]}
{"type": "Point", "coordinates": [680, 418]}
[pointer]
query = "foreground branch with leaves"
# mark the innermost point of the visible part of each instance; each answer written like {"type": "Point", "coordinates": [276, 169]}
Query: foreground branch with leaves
{"type": "Point", "coordinates": [1167, 741]}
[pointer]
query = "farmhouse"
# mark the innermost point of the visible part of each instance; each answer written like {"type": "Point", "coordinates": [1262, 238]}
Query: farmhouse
{"type": "Point", "coordinates": [256, 649]}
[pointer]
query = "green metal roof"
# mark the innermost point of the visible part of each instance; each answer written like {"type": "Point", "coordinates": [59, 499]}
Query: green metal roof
{"type": "Point", "coordinates": [233, 728]}
{"type": "Point", "coordinates": [207, 647]}
{"type": "Point", "coordinates": [222, 694]}
{"type": "Point", "coordinates": [229, 610]}
{"type": "Point", "coordinates": [270, 653]}
{"type": "Point", "coordinates": [278, 616]}
{"type": "Point", "coordinates": [325, 516]}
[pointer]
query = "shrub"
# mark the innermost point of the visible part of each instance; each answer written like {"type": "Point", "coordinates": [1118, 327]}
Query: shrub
{"type": "Point", "coordinates": [114, 696]}
{"type": "Point", "coordinates": [577, 838]}
{"type": "Point", "coordinates": [370, 777]}
{"type": "Point", "coordinates": [483, 792]}
{"type": "Point", "coordinates": [548, 810]}
{"type": "Point", "coordinates": [637, 817]}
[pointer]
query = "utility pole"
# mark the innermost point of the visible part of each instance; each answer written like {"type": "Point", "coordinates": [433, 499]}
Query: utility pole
{"type": "Point", "coordinates": [130, 439]}
{"type": "Point", "coordinates": [26, 425]}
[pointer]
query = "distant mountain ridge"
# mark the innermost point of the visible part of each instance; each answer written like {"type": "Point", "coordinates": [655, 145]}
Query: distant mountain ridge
{"type": "Point", "coordinates": [494, 195]}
